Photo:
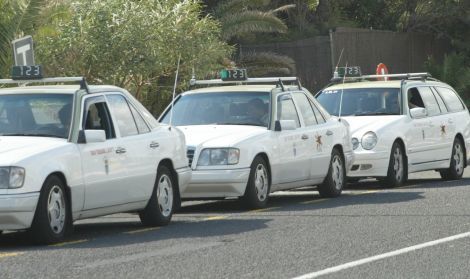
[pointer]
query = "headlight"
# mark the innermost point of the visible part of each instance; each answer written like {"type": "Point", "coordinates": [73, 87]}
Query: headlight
{"type": "Point", "coordinates": [355, 143]}
{"type": "Point", "coordinates": [11, 177]}
{"type": "Point", "coordinates": [218, 157]}
{"type": "Point", "coordinates": [369, 140]}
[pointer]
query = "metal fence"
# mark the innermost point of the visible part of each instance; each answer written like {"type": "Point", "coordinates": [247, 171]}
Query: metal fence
{"type": "Point", "coordinates": [316, 57]}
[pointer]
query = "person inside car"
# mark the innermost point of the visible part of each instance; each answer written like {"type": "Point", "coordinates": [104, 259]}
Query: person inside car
{"type": "Point", "coordinates": [258, 111]}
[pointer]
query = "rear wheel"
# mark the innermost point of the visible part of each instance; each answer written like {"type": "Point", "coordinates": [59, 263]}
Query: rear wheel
{"type": "Point", "coordinates": [397, 169]}
{"type": "Point", "coordinates": [257, 189]}
{"type": "Point", "coordinates": [457, 162]}
{"type": "Point", "coordinates": [52, 214]}
{"type": "Point", "coordinates": [334, 182]}
{"type": "Point", "coordinates": [160, 207]}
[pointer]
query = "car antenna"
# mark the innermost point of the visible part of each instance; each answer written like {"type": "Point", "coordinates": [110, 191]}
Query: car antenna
{"type": "Point", "coordinates": [342, 91]}
{"type": "Point", "coordinates": [174, 91]}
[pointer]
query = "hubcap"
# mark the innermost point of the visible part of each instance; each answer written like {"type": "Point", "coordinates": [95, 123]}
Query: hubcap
{"type": "Point", "coordinates": [165, 195]}
{"type": "Point", "coordinates": [56, 209]}
{"type": "Point", "coordinates": [337, 173]}
{"type": "Point", "coordinates": [398, 164]}
{"type": "Point", "coordinates": [458, 158]}
{"type": "Point", "coordinates": [261, 182]}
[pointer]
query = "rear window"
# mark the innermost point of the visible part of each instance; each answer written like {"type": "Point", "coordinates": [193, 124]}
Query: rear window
{"type": "Point", "coordinates": [451, 99]}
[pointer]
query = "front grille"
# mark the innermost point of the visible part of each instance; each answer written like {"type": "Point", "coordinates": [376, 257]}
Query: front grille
{"type": "Point", "coordinates": [190, 155]}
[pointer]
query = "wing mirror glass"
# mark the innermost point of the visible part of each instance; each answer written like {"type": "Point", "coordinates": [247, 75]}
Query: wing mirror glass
{"type": "Point", "coordinates": [91, 136]}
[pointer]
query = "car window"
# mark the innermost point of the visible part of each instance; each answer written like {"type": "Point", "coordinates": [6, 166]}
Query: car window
{"type": "Point", "coordinates": [122, 113]}
{"type": "Point", "coordinates": [141, 125]}
{"type": "Point", "coordinates": [414, 99]}
{"type": "Point", "coordinates": [305, 109]}
{"type": "Point", "coordinates": [451, 99]}
{"type": "Point", "coordinates": [96, 116]}
{"type": "Point", "coordinates": [318, 114]}
{"type": "Point", "coordinates": [286, 109]}
{"type": "Point", "coordinates": [430, 102]}
{"type": "Point", "coordinates": [440, 102]}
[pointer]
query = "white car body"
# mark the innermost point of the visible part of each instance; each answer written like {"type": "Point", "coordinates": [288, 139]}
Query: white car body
{"type": "Point", "coordinates": [295, 157]}
{"type": "Point", "coordinates": [99, 180]}
{"type": "Point", "coordinates": [427, 140]}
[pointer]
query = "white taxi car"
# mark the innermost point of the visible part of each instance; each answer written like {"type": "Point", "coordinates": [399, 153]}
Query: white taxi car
{"type": "Point", "coordinates": [402, 126]}
{"type": "Point", "coordinates": [249, 140]}
{"type": "Point", "coordinates": [69, 153]}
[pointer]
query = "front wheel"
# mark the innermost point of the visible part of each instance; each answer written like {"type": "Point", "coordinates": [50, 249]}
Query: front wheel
{"type": "Point", "coordinates": [397, 172]}
{"type": "Point", "coordinates": [257, 189]}
{"type": "Point", "coordinates": [457, 162]}
{"type": "Point", "coordinates": [334, 182]}
{"type": "Point", "coordinates": [160, 207]}
{"type": "Point", "coordinates": [52, 213]}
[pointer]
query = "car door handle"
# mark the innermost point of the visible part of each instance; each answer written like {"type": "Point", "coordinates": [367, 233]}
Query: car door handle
{"type": "Point", "coordinates": [120, 150]}
{"type": "Point", "coordinates": [329, 133]}
{"type": "Point", "coordinates": [304, 137]}
{"type": "Point", "coordinates": [154, 144]}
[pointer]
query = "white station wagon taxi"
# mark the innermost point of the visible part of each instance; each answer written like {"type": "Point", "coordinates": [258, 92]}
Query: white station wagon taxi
{"type": "Point", "coordinates": [249, 140]}
{"type": "Point", "coordinates": [401, 126]}
{"type": "Point", "coordinates": [69, 153]}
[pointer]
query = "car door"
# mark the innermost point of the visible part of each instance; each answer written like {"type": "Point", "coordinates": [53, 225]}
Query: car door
{"type": "Point", "coordinates": [293, 151]}
{"type": "Point", "coordinates": [137, 147]}
{"type": "Point", "coordinates": [104, 171]}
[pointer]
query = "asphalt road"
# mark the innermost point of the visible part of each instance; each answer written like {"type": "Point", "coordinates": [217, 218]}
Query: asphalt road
{"type": "Point", "coordinates": [298, 234]}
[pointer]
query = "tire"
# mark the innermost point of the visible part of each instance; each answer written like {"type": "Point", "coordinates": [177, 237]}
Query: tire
{"type": "Point", "coordinates": [52, 217]}
{"type": "Point", "coordinates": [259, 184]}
{"type": "Point", "coordinates": [457, 162]}
{"type": "Point", "coordinates": [397, 173]}
{"type": "Point", "coordinates": [335, 180]}
{"type": "Point", "coordinates": [161, 205]}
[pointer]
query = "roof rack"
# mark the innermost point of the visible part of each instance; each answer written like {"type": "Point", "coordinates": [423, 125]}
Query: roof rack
{"type": "Point", "coordinates": [399, 76]}
{"type": "Point", "coordinates": [80, 80]}
{"type": "Point", "coordinates": [276, 80]}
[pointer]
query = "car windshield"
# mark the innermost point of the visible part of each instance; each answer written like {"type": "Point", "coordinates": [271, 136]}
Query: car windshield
{"type": "Point", "coordinates": [221, 108]}
{"type": "Point", "coordinates": [41, 115]}
{"type": "Point", "coordinates": [361, 101]}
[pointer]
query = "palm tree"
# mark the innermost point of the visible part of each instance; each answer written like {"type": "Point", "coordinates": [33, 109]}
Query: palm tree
{"type": "Point", "coordinates": [17, 18]}
{"type": "Point", "coordinates": [239, 18]}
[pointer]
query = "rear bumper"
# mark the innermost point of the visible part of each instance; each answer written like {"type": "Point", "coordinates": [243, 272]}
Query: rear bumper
{"type": "Point", "coordinates": [217, 183]}
{"type": "Point", "coordinates": [17, 211]}
{"type": "Point", "coordinates": [370, 164]}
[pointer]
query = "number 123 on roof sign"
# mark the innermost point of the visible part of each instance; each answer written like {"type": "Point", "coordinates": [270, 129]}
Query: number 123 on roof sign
{"type": "Point", "coordinates": [233, 75]}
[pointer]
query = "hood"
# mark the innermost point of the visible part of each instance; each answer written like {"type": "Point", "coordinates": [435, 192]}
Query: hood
{"type": "Point", "coordinates": [363, 124]}
{"type": "Point", "coordinates": [219, 135]}
{"type": "Point", "coordinates": [14, 149]}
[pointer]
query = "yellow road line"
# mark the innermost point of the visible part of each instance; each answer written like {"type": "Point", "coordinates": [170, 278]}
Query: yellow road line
{"type": "Point", "coordinates": [313, 201]}
{"type": "Point", "coordinates": [263, 209]}
{"type": "Point", "coordinates": [6, 255]}
{"type": "Point", "coordinates": [213, 218]}
{"type": "Point", "coordinates": [141, 230]}
{"type": "Point", "coordinates": [60, 244]}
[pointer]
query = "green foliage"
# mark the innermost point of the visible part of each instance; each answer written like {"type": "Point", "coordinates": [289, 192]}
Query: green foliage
{"type": "Point", "coordinates": [132, 44]}
{"type": "Point", "coordinates": [454, 71]}
{"type": "Point", "coordinates": [267, 64]}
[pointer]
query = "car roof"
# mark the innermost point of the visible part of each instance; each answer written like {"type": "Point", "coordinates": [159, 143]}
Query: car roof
{"type": "Point", "coordinates": [57, 89]}
{"type": "Point", "coordinates": [383, 84]}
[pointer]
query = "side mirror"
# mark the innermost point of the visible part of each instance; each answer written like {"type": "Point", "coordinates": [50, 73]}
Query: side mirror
{"type": "Point", "coordinates": [418, 112]}
{"type": "Point", "coordinates": [280, 125]}
{"type": "Point", "coordinates": [91, 136]}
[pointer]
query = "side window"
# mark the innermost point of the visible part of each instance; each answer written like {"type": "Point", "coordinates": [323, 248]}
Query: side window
{"type": "Point", "coordinates": [305, 109]}
{"type": "Point", "coordinates": [318, 114]}
{"type": "Point", "coordinates": [450, 98]}
{"type": "Point", "coordinates": [430, 103]}
{"type": "Point", "coordinates": [414, 99]}
{"type": "Point", "coordinates": [286, 109]}
{"type": "Point", "coordinates": [122, 113]}
{"type": "Point", "coordinates": [141, 125]}
{"type": "Point", "coordinates": [440, 102]}
{"type": "Point", "coordinates": [96, 116]}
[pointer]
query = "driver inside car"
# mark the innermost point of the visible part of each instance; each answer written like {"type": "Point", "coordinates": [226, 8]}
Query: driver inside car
{"type": "Point", "coordinates": [258, 111]}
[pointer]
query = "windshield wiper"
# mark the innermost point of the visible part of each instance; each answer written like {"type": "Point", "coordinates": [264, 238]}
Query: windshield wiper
{"type": "Point", "coordinates": [31, 135]}
{"type": "Point", "coordinates": [375, 113]}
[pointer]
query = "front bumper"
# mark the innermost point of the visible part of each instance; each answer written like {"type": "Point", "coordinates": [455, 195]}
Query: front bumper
{"type": "Point", "coordinates": [17, 210]}
{"type": "Point", "coordinates": [369, 164]}
{"type": "Point", "coordinates": [217, 183]}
